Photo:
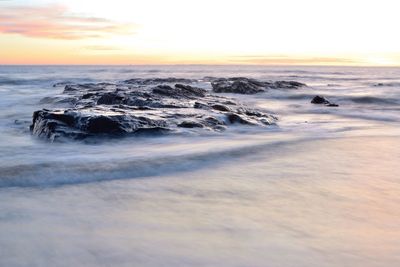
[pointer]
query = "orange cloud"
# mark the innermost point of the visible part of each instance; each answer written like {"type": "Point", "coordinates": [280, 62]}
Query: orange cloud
{"type": "Point", "coordinates": [55, 22]}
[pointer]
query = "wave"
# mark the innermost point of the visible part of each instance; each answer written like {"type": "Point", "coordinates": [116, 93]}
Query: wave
{"type": "Point", "coordinates": [41, 81]}
{"type": "Point", "coordinates": [393, 84]}
{"type": "Point", "coordinates": [327, 78]}
{"type": "Point", "coordinates": [15, 82]}
{"type": "Point", "coordinates": [63, 173]}
{"type": "Point", "coordinates": [373, 100]}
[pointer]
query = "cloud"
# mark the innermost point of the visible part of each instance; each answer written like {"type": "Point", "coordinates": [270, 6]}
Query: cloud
{"type": "Point", "coordinates": [101, 48]}
{"type": "Point", "coordinates": [56, 22]}
{"type": "Point", "coordinates": [281, 59]}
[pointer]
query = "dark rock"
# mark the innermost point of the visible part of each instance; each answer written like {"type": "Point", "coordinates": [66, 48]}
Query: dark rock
{"type": "Point", "coordinates": [59, 84]}
{"type": "Point", "coordinates": [332, 105]}
{"type": "Point", "coordinates": [200, 105]}
{"type": "Point", "coordinates": [237, 86]}
{"type": "Point", "coordinates": [179, 91]}
{"type": "Point", "coordinates": [103, 124]}
{"type": "Point", "coordinates": [234, 118]}
{"type": "Point", "coordinates": [104, 109]}
{"type": "Point", "coordinates": [109, 99]}
{"type": "Point", "coordinates": [287, 85]}
{"type": "Point", "coordinates": [220, 107]}
{"type": "Point", "coordinates": [87, 96]}
{"type": "Point", "coordinates": [242, 85]}
{"type": "Point", "coordinates": [190, 90]}
{"type": "Point", "coordinates": [190, 124]}
{"type": "Point", "coordinates": [319, 100]}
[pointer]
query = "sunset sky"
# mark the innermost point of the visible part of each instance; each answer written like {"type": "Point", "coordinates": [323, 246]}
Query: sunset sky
{"type": "Point", "coordinates": [340, 32]}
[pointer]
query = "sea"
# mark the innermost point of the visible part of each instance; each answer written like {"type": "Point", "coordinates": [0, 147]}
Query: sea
{"type": "Point", "coordinates": [320, 188]}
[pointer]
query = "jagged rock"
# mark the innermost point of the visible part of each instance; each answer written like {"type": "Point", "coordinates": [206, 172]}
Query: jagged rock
{"type": "Point", "coordinates": [179, 91]}
{"type": "Point", "coordinates": [237, 86]}
{"type": "Point", "coordinates": [242, 85]}
{"type": "Point", "coordinates": [104, 109]}
{"type": "Point", "coordinates": [287, 85]}
{"type": "Point", "coordinates": [322, 100]}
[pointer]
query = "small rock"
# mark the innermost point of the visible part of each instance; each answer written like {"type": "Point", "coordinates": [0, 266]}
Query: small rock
{"type": "Point", "coordinates": [322, 100]}
{"type": "Point", "coordinates": [190, 124]}
{"type": "Point", "coordinates": [220, 107]}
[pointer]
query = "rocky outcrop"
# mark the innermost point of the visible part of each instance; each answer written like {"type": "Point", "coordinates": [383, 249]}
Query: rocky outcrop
{"type": "Point", "coordinates": [319, 100]}
{"type": "Point", "coordinates": [142, 106]}
{"type": "Point", "coordinates": [242, 85]}
{"type": "Point", "coordinates": [237, 86]}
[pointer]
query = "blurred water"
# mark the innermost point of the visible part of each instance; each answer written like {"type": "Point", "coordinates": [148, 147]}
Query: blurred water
{"type": "Point", "coordinates": [319, 189]}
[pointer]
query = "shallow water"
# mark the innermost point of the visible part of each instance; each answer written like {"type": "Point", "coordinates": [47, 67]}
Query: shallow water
{"type": "Point", "coordinates": [319, 189]}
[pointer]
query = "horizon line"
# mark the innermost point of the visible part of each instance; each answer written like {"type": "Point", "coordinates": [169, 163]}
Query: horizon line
{"type": "Point", "coordinates": [201, 64]}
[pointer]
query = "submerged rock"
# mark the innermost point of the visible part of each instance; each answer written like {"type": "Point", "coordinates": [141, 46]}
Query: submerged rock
{"type": "Point", "coordinates": [322, 100]}
{"type": "Point", "coordinates": [144, 107]}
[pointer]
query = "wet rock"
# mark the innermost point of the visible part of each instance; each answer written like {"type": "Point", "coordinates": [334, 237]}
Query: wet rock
{"type": "Point", "coordinates": [220, 107]}
{"type": "Point", "coordinates": [107, 98]}
{"type": "Point", "coordinates": [60, 84]}
{"type": "Point", "coordinates": [200, 105]}
{"type": "Point", "coordinates": [237, 86]}
{"type": "Point", "coordinates": [235, 118]}
{"type": "Point", "coordinates": [287, 85]}
{"type": "Point", "coordinates": [179, 91]}
{"type": "Point", "coordinates": [319, 100]}
{"type": "Point", "coordinates": [190, 124]}
{"type": "Point", "coordinates": [242, 85]}
{"type": "Point", "coordinates": [112, 110]}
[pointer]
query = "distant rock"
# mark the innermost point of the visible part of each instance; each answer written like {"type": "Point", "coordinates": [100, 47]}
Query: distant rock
{"type": "Point", "coordinates": [60, 84]}
{"type": "Point", "coordinates": [237, 86]}
{"type": "Point", "coordinates": [319, 100]}
{"type": "Point", "coordinates": [242, 85]}
{"type": "Point", "coordinates": [179, 91]}
{"type": "Point", "coordinates": [140, 81]}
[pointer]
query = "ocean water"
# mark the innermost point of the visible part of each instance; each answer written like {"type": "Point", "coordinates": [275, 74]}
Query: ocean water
{"type": "Point", "coordinates": [320, 188]}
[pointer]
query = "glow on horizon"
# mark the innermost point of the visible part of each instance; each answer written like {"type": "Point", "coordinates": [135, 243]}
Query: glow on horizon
{"type": "Point", "coordinates": [290, 32]}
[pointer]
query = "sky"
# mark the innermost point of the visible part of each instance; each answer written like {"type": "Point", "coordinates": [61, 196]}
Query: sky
{"type": "Point", "coordinates": [287, 32]}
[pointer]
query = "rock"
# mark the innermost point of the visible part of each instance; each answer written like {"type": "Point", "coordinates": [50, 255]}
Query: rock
{"type": "Point", "coordinates": [60, 84]}
{"type": "Point", "coordinates": [322, 100]}
{"type": "Point", "coordinates": [319, 100]}
{"type": "Point", "coordinates": [179, 91]}
{"type": "Point", "coordinates": [112, 110]}
{"type": "Point", "coordinates": [220, 107]}
{"type": "Point", "coordinates": [234, 118]}
{"type": "Point", "coordinates": [190, 124]}
{"type": "Point", "coordinates": [332, 105]}
{"type": "Point", "coordinates": [107, 98]}
{"type": "Point", "coordinates": [242, 85]}
{"type": "Point", "coordinates": [237, 86]}
{"type": "Point", "coordinates": [200, 105]}
{"type": "Point", "coordinates": [140, 81]}
{"type": "Point", "coordinates": [190, 90]}
{"type": "Point", "coordinates": [287, 85]}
